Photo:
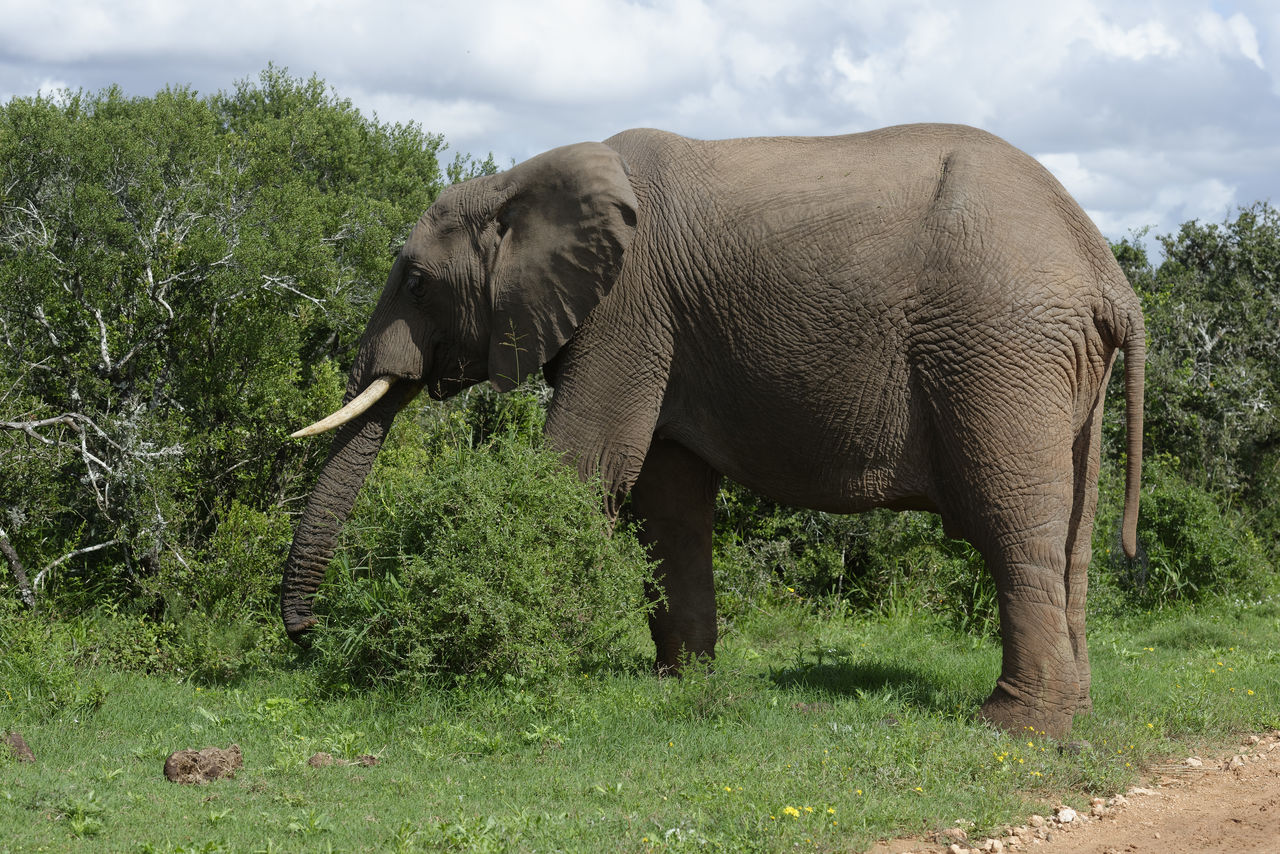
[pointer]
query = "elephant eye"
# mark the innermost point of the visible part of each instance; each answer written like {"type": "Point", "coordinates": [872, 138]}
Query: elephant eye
{"type": "Point", "coordinates": [414, 284]}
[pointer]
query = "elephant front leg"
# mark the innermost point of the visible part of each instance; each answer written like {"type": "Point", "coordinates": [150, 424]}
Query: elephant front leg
{"type": "Point", "coordinates": [674, 502]}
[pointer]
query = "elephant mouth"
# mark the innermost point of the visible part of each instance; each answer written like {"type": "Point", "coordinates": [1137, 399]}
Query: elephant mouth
{"type": "Point", "coordinates": [445, 388]}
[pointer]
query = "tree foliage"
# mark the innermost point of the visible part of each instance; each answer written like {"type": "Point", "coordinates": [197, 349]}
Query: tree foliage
{"type": "Point", "coordinates": [1213, 372]}
{"type": "Point", "coordinates": [181, 278]}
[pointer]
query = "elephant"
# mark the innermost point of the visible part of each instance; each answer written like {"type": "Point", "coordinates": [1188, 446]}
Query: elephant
{"type": "Point", "coordinates": [916, 317]}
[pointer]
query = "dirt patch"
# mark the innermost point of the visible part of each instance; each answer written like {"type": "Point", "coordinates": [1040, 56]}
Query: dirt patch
{"type": "Point", "coordinates": [18, 747]}
{"type": "Point", "coordinates": [1200, 804]}
{"type": "Point", "coordinates": [324, 760]}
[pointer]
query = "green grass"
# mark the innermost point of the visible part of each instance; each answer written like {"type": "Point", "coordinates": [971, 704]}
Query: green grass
{"type": "Point", "coordinates": [818, 731]}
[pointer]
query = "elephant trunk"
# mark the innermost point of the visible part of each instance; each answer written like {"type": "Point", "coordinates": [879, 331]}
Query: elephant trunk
{"type": "Point", "coordinates": [350, 458]}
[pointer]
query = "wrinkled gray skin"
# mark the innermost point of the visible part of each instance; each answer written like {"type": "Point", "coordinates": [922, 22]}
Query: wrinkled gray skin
{"type": "Point", "coordinates": [916, 317]}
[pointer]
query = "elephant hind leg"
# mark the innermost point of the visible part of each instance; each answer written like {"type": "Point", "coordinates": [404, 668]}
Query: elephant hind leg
{"type": "Point", "coordinates": [1080, 546]}
{"type": "Point", "coordinates": [1039, 686]}
{"type": "Point", "coordinates": [674, 502]}
{"type": "Point", "coordinates": [1017, 512]}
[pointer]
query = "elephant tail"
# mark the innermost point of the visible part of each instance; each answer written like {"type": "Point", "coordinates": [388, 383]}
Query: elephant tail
{"type": "Point", "coordinates": [1135, 358]}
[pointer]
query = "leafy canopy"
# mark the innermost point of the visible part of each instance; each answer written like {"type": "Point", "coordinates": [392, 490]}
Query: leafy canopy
{"type": "Point", "coordinates": [181, 277]}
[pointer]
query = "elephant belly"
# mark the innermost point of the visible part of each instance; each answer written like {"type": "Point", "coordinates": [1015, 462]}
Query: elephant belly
{"type": "Point", "coordinates": [832, 440]}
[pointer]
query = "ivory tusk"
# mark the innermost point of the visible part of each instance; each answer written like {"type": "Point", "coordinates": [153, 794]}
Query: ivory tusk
{"type": "Point", "coordinates": [357, 406]}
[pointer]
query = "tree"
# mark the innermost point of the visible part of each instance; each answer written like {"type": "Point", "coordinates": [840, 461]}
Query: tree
{"type": "Point", "coordinates": [181, 278]}
{"type": "Point", "coordinates": [1213, 372]}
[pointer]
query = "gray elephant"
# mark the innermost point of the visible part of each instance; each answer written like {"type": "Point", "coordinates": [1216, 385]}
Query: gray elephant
{"type": "Point", "coordinates": [917, 317]}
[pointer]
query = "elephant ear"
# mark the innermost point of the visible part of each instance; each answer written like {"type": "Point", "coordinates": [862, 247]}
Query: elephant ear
{"type": "Point", "coordinates": [568, 219]}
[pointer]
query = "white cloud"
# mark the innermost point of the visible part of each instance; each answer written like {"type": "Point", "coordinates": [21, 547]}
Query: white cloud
{"type": "Point", "coordinates": [1150, 38]}
{"type": "Point", "coordinates": [467, 117]}
{"type": "Point", "coordinates": [1146, 111]}
{"type": "Point", "coordinates": [1234, 35]}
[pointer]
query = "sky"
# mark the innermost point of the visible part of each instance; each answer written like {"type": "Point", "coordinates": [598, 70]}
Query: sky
{"type": "Point", "coordinates": [1150, 113]}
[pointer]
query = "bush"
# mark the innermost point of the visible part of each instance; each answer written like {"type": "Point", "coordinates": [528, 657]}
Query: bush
{"type": "Point", "coordinates": [1193, 544]}
{"type": "Point", "coordinates": [38, 677]}
{"type": "Point", "coordinates": [876, 561]}
{"type": "Point", "coordinates": [464, 560]}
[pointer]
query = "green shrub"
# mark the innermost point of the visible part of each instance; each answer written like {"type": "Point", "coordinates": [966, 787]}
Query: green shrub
{"type": "Point", "coordinates": [876, 561]}
{"type": "Point", "coordinates": [462, 560]}
{"type": "Point", "coordinates": [1193, 543]}
{"type": "Point", "coordinates": [38, 676]}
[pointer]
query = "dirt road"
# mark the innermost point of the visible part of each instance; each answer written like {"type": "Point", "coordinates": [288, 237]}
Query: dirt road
{"type": "Point", "coordinates": [1223, 804]}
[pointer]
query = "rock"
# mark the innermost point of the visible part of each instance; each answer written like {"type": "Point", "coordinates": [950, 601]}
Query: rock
{"type": "Point", "coordinates": [320, 760]}
{"type": "Point", "coordinates": [1065, 815]}
{"type": "Point", "coordinates": [1097, 810]}
{"type": "Point", "coordinates": [954, 848]}
{"type": "Point", "coordinates": [1193, 762]}
{"type": "Point", "coordinates": [952, 834]}
{"type": "Point", "coordinates": [1253, 739]}
{"type": "Point", "coordinates": [18, 747]}
{"type": "Point", "coordinates": [1233, 763]}
{"type": "Point", "coordinates": [995, 846]}
{"type": "Point", "coordinates": [201, 766]}
{"type": "Point", "coordinates": [1036, 821]}
{"type": "Point", "coordinates": [1117, 801]}
{"type": "Point", "coordinates": [1139, 790]}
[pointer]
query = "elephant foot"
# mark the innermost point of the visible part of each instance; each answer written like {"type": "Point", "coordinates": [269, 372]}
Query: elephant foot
{"type": "Point", "coordinates": [1014, 712]}
{"type": "Point", "coordinates": [1084, 706]}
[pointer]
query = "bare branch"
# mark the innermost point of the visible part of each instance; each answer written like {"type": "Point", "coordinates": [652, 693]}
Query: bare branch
{"type": "Point", "coordinates": [44, 321]}
{"type": "Point", "coordinates": [44, 573]}
{"type": "Point", "coordinates": [102, 342]}
{"type": "Point", "coordinates": [30, 427]}
{"type": "Point", "coordinates": [27, 595]}
{"type": "Point", "coordinates": [282, 282]}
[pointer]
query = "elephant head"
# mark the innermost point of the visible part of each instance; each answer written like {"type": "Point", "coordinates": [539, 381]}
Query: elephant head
{"type": "Point", "coordinates": [492, 282]}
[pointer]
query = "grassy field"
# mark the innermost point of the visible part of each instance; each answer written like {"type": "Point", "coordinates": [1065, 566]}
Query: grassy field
{"type": "Point", "coordinates": [817, 731]}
